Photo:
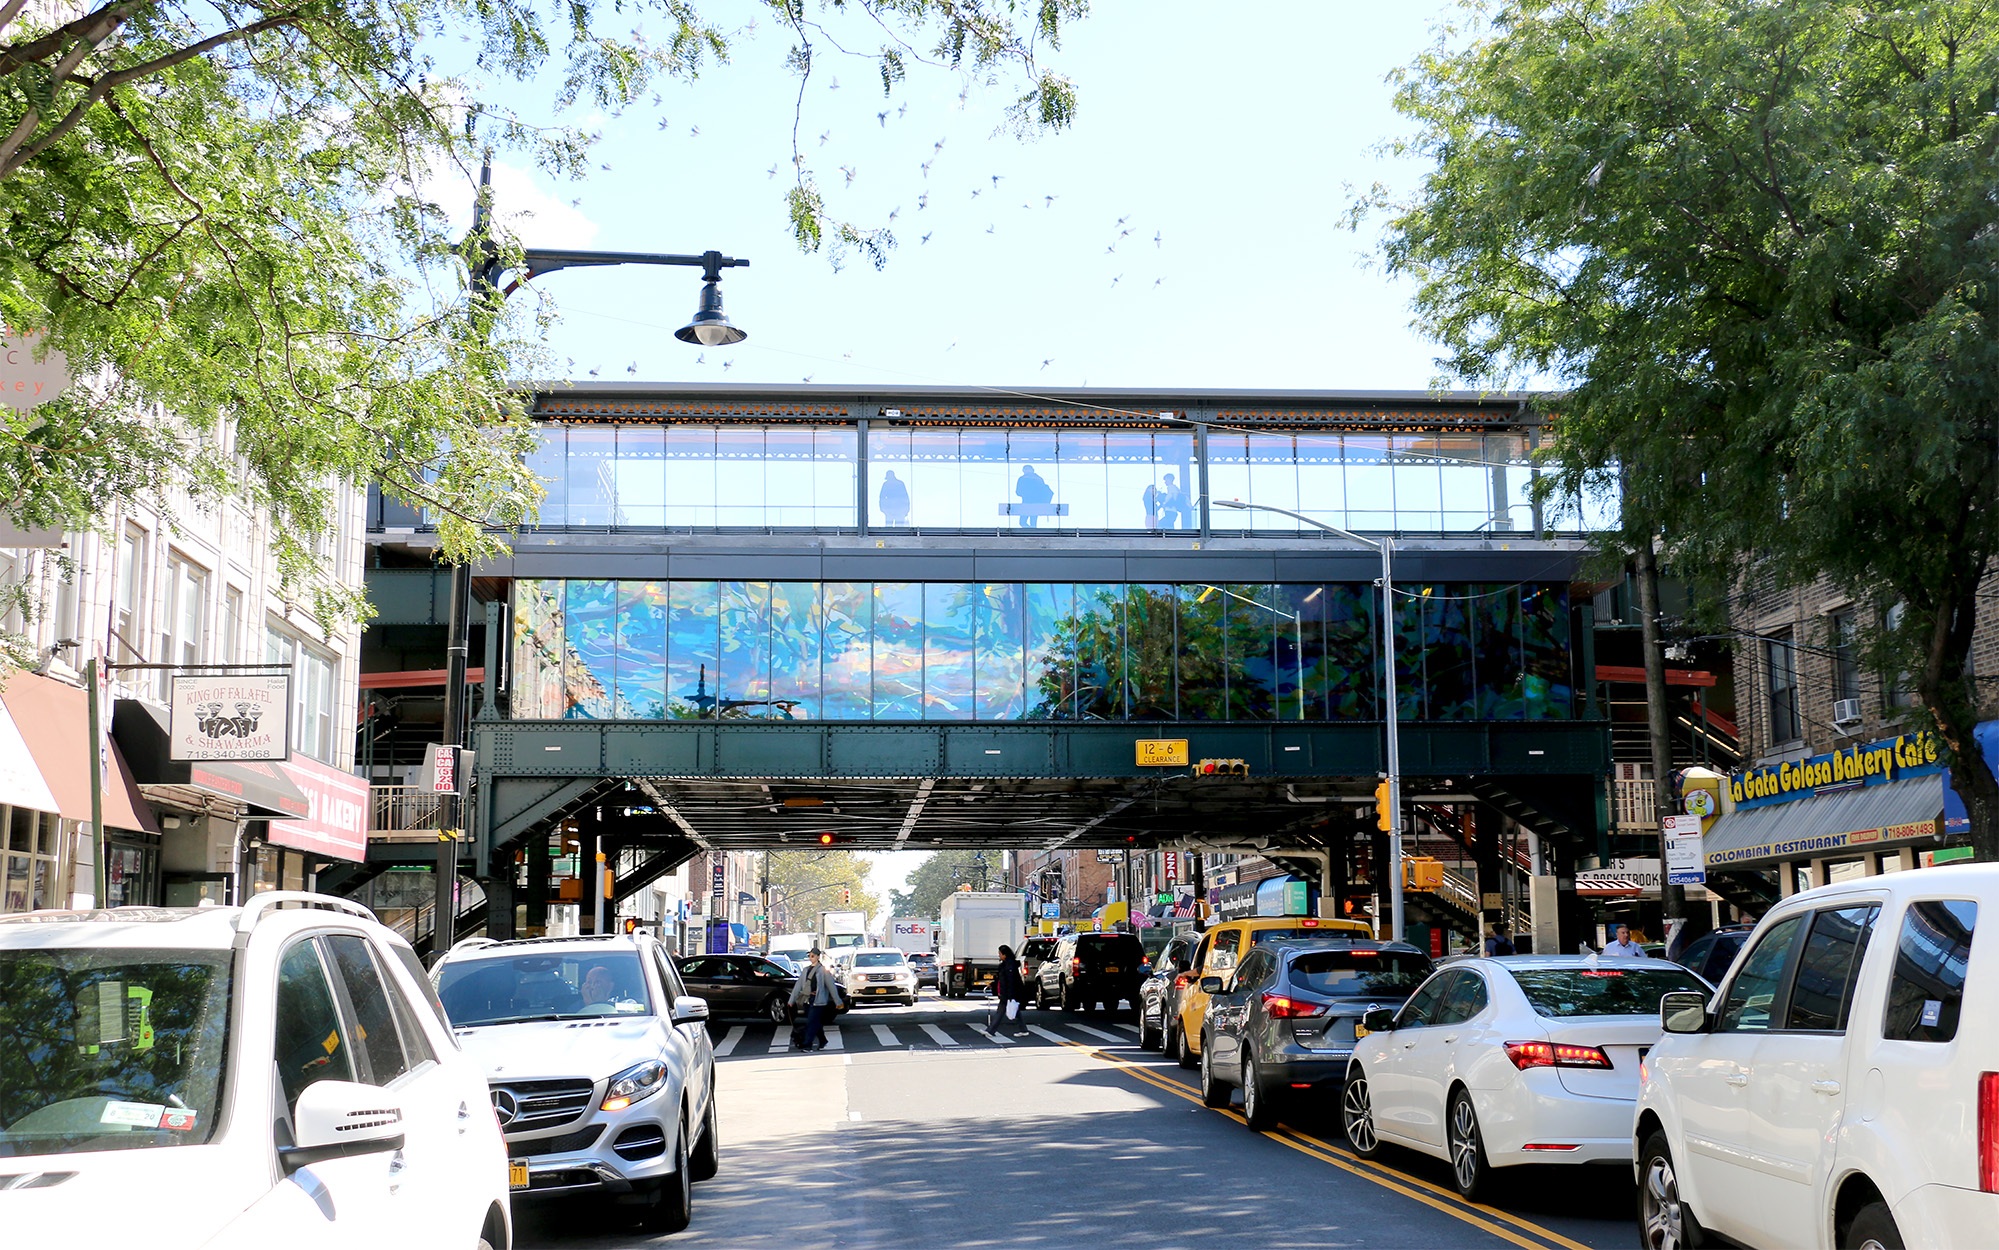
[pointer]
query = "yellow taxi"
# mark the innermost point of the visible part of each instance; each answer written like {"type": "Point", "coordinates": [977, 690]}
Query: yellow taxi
{"type": "Point", "coordinates": [1222, 947]}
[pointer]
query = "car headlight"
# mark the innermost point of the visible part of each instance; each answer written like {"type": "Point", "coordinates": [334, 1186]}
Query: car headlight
{"type": "Point", "coordinates": [638, 1082]}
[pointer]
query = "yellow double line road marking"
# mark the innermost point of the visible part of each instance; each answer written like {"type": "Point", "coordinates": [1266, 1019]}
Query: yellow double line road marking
{"type": "Point", "coordinates": [1478, 1215]}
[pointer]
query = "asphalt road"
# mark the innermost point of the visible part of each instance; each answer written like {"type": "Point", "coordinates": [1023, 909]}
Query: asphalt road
{"type": "Point", "coordinates": [921, 1130]}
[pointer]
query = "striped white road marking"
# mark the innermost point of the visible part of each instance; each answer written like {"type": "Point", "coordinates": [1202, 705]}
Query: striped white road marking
{"type": "Point", "coordinates": [1000, 1038]}
{"type": "Point", "coordinates": [1127, 1028]}
{"type": "Point", "coordinates": [780, 1041]}
{"type": "Point", "coordinates": [727, 1046]}
{"type": "Point", "coordinates": [1038, 1031]}
{"type": "Point", "coordinates": [884, 1035]}
{"type": "Point", "coordinates": [943, 1038]}
{"type": "Point", "coordinates": [833, 1041]}
{"type": "Point", "coordinates": [1109, 1037]}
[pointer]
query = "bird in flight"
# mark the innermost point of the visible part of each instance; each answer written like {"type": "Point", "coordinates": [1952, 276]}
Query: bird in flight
{"type": "Point", "coordinates": [903, 109]}
{"type": "Point", "coordinates": [823, 136]}
{"type": "Point", "coordinates": [806, 378]}
{"type": "Point", "coordinates": [632, 367]}
{"type": "Point", "coordinates": [1116, 280]}
{"type": "Point", "coordinates": [975, 192]}
{"type": "Point", "coordinates": [1050, 200]}
{"type": "Point", "coordinates": [1110, 249]}
{"type": "Point", "coordinates": [834, 85]}
{"type": "Point", "coordinates": [1046, 363]}
{"type": "Point", "coordinates": [701, 359]}
{"type": "Point", "coordinates": [923, 201]}
{"type": "Point", "coordinates": [926, 236]}
{"type": "Point", "coordinates": [577, 202]}
{"type": "Point", "coordinates": [604, 167]}
{"type": "Point", "coordinates": [1124, 219]}
{"type": "Point", "coordinates": [773, 171]}
{"type": "Point", "coordinates": [894, 212]}
{"type": "Point", "coordinates": [937, 146]}
{"type": "Point", "coordinates": [1156, 282]}
{"type": "Point", "coordinates": [694, 132]}
{"type": "Point", "coordinates": [728, 365]}
{"type": "Point", "coordinates": [1155, 238]}
{"type": "Point", "coordinates": [926, 167]}
{"type": "Point", "coordinates": [664, 123]}
{"type": "Point", "coordinates": [882, 117]}
{"type": "Point", "coordinates": [594, 371]}
{"type": "Point", "coordinates": [849, 171]}
{"type": "Point", "coordinates": [989, 229]}
{"type": "Point", "coordinates": [996, 178]}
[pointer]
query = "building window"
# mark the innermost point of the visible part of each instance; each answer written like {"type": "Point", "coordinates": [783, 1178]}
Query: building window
{"type": "Point", "coordinates": [184, 617]}
{"type": "Point", "coordinates": [1845, 657]}
{"type": "Point", "coordinates": [232, 625]}
{"type": "Point", "coordinates": [1898, 690]}
{"type": "Point", "coordinates": [312, 692]}
{"type": "Point", "coordinates": [30, 870]}
{"type": "Point", "coordinates": [1781, 662]}
{"type": "Point", "coordinates": [126, 622]}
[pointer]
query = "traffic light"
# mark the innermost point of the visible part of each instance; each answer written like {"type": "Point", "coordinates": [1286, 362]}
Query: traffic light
{"type": "Point", "coordinates": [1221, 768]}
{"type": "Point", "coordinates": [1384, 808]}
{"type": "Point", "coordinates": [828, 839]}
{"type": "Point", "coordinates": [631, 924]}
{"type": "Point", "coordinates": [846, 896]}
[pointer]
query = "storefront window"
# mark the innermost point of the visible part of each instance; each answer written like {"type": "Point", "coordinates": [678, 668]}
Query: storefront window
{"type": "Point", "coordinates": [30, 860]}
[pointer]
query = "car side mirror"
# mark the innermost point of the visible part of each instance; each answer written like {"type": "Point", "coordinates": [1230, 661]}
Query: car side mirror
{"type": "Point", "coordinates": [689, 1010]}
{"type": "Point", "coordinates": [1378, 1019]}
{"type": "Point", "coordinates": [1211, 985]}
{"type": "Point", "coordinates": [340, 1120]}
{"type": "Point", "coordinates": [1684, 1011]}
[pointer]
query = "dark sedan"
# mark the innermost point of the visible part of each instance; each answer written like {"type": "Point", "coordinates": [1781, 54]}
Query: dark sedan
{"type": "Point", "coordinates": [740, 985]}
{"type": "Point", "coordinates": [1283, 1022]}
{"type": "Point", "coordinates": [1159, 995]}
{"type": "Point", "coordinates": [924, 965]}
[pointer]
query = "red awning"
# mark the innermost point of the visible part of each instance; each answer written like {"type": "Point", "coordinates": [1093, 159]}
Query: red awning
{"type": "Point", "coordinates": [336, 821]}
{"type": "Point", "coordinates": [54, 718]}
{"type": "Point", "coordinates": [416, 678]}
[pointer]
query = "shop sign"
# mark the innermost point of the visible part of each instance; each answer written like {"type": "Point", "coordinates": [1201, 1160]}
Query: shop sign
{"type": "Point", "coordinates": [1235, 902]}
{"type": "Point", "coordinates": [1875, 763]}
{"type": "Point", "coordinates": [239, 717]}
{"type": "Point", "coordinates": [29, 373]}
{"type": "Point", "coordinates": [1171, 866]}
{"type": "Point", "coordinates": [336, 820]}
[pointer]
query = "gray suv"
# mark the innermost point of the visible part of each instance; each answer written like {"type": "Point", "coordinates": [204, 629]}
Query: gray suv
{"type": "Point", "coordinates": [599, 1065]}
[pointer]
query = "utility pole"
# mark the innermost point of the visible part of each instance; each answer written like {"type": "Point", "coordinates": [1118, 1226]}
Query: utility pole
{"type": "Point", "coordinates": [1672, 898]}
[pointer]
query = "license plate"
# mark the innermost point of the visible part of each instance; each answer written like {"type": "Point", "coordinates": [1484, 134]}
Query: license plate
{"type": "Point", "coordinates": [876, 990]}
{"type": "Point", "coordinates": [1358, 1032]}
{"type": "Point", "coordinates": [517, 1174]}
{"type": "Point", "coordinates": [1109, 968]}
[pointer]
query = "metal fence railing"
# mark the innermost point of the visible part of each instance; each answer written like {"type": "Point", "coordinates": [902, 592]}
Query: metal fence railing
{"type": "Point", "coordinates": [405, 814]}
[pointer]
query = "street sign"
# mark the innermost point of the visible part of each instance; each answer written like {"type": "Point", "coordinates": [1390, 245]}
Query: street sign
{"type": "Point", "coordinates": [1685, 864]}
{"type": "Point", "coordinates": [1172, 866]}
{"type": "Point", "coordinates": [1110, 857]}
{"type": "Point", "coordinates": [1162, 752]}
{"type": "Point", "coordinates": [1051, 910]}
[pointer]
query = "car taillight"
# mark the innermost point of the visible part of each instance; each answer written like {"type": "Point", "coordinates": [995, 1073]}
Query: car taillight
{"type": "Point", "coordinates": [1180, 982]}
{"type": "Point", "coordinates": [1527, 1055]}
{"type": "Point", "coordinates": [1281, 1008]}
{"type": "Point", "coordinates": [1988, 1132]}
{"type": "Point", "coordinates": [1075, 965]}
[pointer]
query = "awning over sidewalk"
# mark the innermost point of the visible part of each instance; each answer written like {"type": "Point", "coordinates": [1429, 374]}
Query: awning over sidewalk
{"type": "Point", "coordinates": [1864, 818]}
{"type": "Point", "coordinates": [21, 783]}
{"type": "Point", "coordinates": [1600, 886]}
{"type": "Point", "coordinates": [141, 731]}
{"type": "Point", "coordinates": [53, 718]}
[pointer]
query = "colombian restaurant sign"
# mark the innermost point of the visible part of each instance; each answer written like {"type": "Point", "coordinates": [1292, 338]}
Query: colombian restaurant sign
{"type": "Point", "coordinates": [1872, 764]}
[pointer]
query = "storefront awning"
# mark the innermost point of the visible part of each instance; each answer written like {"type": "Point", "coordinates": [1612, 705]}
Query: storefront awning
{"type": "Point", "coordinates": [141, 732]}
{"type": "Point", "coordinates": [21, 783]}
{"type": "Point", "coordinates": [54, 721]}
{"type": "Point", "coordinates": [1608, 887]}
{"type": "Point", "coordinates": [1826, 826]}
{"type": "Point", "coordinates": [336, 822]}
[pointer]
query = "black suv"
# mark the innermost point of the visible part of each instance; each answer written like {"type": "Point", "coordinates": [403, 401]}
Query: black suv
{"type": "Point", "coordinates": [1709, 955]}
{"type": "Point", "coordinates": [1092, 968]}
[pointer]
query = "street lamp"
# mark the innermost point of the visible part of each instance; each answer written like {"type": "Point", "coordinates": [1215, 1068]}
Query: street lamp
{"type": "Point", "coordinates": [1385, 545]}
{"type": "Point", "coordinates": [709, 327]}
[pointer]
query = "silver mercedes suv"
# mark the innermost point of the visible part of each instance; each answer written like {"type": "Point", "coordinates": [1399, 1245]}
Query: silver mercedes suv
{"type": "Point", "coordinates": [600, 1067]}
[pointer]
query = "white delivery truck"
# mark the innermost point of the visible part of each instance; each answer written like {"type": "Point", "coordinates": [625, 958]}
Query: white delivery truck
{"type": "Point", "coordinates": [974, 926]}
{"type": "Point", "coordinates": [838, 929]}
{"type": "Point", "coordinates": [911, 937]}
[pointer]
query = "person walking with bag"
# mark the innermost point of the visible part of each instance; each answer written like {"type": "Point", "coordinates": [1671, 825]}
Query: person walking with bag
{"type": "Point", "coordinates": [819, 993]}
{"type": "Point", "coordinates": [1010, 995]}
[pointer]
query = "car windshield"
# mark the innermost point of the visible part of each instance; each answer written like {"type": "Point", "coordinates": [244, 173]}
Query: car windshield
{"type": "Point", "coordinates": [879, 959]}
{"type": "Point", "coordinates": [923, 959]}
{"type": "Point", "coordinates": [1258, 937]}
{"type": "Point", "coordinates": [543, 986]}
{"type": "Point", "coordinates": [110, 1049]}
{"type": "Point", "coordinates": [1359, 974]}
{"type": "Point", "coordinates": [1607, 990]}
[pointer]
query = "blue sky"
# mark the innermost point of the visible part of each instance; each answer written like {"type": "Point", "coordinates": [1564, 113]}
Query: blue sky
{"type": "Point", "coordinates": [1191, 239]}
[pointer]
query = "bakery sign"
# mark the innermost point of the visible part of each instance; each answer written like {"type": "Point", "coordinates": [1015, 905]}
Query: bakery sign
{"type": "Point", "coordinates": [1871, 764]}
{"type": "Point", "coordinates": [237, 717]}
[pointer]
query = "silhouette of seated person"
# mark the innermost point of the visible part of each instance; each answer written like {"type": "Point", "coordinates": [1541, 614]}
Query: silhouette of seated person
{"type": "Point", "coordinates": [600, 989]}
{"type": "Point", "coordinates": [1035, 492]}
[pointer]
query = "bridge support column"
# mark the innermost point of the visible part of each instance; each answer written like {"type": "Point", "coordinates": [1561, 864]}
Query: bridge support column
{"type": "Point", "coordinates": [536, 891]}
{"type": "Point", "coordinates": [1482, 830]}
{"type": "Point", "coordinates": [500, 898]}
{"type": "Point", "coordinates": [588, 832]}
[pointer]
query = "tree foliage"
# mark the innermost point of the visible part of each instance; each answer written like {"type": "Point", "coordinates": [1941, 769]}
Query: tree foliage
{"type": "Point", "coordinates": [939, 875]}
{"type": "Point", "coordinates": [805, 883]}
{"type": "Point", "coordinates": [1757, 242]}
{"type": "Point", "coordinates": [221, 212]}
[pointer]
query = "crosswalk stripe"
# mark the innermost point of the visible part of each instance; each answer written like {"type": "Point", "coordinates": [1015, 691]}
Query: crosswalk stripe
{"type": "Point", "coordinates": [1057, 1038]}
{"type": "Point", "coordinates": [943, 1038]}
{"type": "Point", "coordinates": [727, 1046]}
{"type": "Point", "coordinates": [1109, 1037]}
{"type": "Point", "coordinates": [1127, 1028]}
{"type": "Point", "coordinates": [884, 1035]}
{"type": "Point", "coordinates": [780, 1041]}
{"type": "Point", "coordinates": [833, 1041]}
{"type": "Point", "coordinates": [991, 1036]}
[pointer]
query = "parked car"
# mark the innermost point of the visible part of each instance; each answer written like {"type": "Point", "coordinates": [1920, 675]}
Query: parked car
{"type": "Point", "coordinates": [1033, 953]}
{"type": "Point", "coordinates": [599, 1065]}
{"type": "Point", "coordinates": [786, 961]}
{"type": "Point", "coordinates": [1710, 954]}
{"type": "Point", "coordinates": [273, 1074]}
{"type": "Point", "coordinates": [924, 965]}
{"type": "Point", "coordinates": [1509, 1060]}
{"type": "Point", "coordinates": [1842, 1088]}
{"type": "Point", "coordinates": [1159, 993]}
{"type": "Point", "coordinates": [1285, 1022]}
{"type": "Point", "coordinates": [876, 972]}
{"type": "Point", "coordinates": [740, 985]}
{"type": "Point", "coordinates": [1221, 948]}
{"type": "Point", "coordinates": [1091, 968]}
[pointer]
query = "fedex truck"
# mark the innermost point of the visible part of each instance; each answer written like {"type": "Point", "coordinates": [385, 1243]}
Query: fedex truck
{"type": "Point", "coordinates": [911, 937]}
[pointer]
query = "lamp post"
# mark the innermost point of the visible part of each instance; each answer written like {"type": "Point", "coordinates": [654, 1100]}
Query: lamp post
{"type": "Point", "coordinates": [1386, 546]}
{"type": "Point", "coordinates": [708, 327]}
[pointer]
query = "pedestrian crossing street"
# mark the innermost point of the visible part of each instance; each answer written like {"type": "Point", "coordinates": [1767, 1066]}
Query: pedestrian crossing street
{"type": "Point", "coordinates": [743, 1041]}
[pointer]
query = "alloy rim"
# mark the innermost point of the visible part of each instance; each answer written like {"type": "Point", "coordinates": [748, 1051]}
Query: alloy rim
{"type": "Point", "coordinates": [1464, 1143]}
{"type": "Point", "coordinates": [1661, 1218]}
{"type": "Point", "coordinates": [1250, 1109]}
{"type": "Point", "coordinates": [1359, 1115]}
{"type": "Point", "coordinates": [776, 1010]}
{"type": "Point", "coordinates": [1207, 1069]}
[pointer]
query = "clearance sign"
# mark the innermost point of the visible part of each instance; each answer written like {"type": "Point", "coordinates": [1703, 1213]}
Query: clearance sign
{"type": "Point", "coordinates": [1891, 759]}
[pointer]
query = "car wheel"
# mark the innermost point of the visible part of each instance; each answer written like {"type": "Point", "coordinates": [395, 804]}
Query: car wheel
{"type": "Point", "coordinates": [1182, 1052]}
{"type": "Point", "coordinates": [707, 1157]}
{"type": "Point", "coordinates": [1146, 1036]}
{"type": "Point", "coordinates": [1873, 1228]}
{"type": "Point", "coordinates": [1469, 1171]}
{"type": "Point", "coordinates": [1070, 1002]}
{"type": "Point", "coordinates": [777, 1010]}
{"type": "Point", "coordinates": [1357, 1116]}
{"type": "Point", "coordinates": [1664, 1221]}
{"type": "Point", "coordinates": [1259, 1108]}
{"type": "Point", "coordinates": [673, 1206]}
{"type": "Point", "coordinates": [1213, 1092]}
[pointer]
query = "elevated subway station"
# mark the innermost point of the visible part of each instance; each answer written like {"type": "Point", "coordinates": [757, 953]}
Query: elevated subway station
{"type": "Point", "coordinates": [734, 629]}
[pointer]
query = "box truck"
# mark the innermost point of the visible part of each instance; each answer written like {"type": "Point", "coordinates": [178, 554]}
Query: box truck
{"type": "Point", "coordinates": [911, 937]}
{"type": "Point", "coordinates": [973, 928]}
{"type": "Point", "coordinates": [839, 929]}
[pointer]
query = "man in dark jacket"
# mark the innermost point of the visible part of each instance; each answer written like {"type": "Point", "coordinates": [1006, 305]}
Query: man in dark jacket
{"type": "Point", "coordinates": [1008, 987]}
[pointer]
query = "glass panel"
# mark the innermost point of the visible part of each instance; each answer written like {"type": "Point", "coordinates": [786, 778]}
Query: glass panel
{"type": "Point", "coordinates": [898, 648]}
{"type": "Point", "coordinates": [1273, 473]}
{"type": "Point", "coordinates": [1822, 993]}
{"type": "Point", "coordinates": [1096, 639]}
{"type": "Point", "coordinates": [1204, 687]}
{"type": "Point", "coordinates": [1252, 658]}
{"type": "Point", "coordinates": [1513, 486]}
{"type": "Point", "coordinates": [1000, 651]}
{"type": "Point", "coordinates": [1351, 671]}
{"type": "Point", "coordinates": [1409, 647]}
{"type": "Point", "coordinates": [549, 463]}
{"type": "Point", "coordinates": [593, 494]}
{"type": "Point", "coordinates": [1448, 666]}
{"type": "Point", "coordinates": [1173, 460]}
{"type": "Point", "coordinates": [1418, 485]}
{"type": "Point", "coordinates": [1931, 962]}
{"type": "Point", "coordinates": [1085, 479]}
{"type": "Point", "coordinates": [1150, 646]}
{"type": "Point", "coordinates": [1036, 449]}
{"type": "Point", "coordinates": [641, 475]}
{"type": "Point", "coordinates": [690, 476]}
{"type": "Point", "coordinates": [1466, 483]}
{"type": "Point", "coordinates": [1544, 636]}
{"type": "Point", "coordinates": [739, 475]}
{"type": "Point", "coordinates": [743, 689]}
{"type": "Point", "coordinates": [1051, 652]}
{"type": "Point", "coordinates": [590, 664]}
{"type": "Point", "coordinates": [641, 665]}
{"type": "Point", "coordinates": [934, 490]}
{"type": "Point", "coordinates": [1228, 478]}
{"type": "Point", "coordinates": [833, 470]}
{"type": "Point", "coordinates": [1322, 488]}
{"type": "Point", "coordinates": [691, 647]}
{"type": "Point", "coordinates": [1501, 675]}
{"type": "Point", "coordinates": [1753, 993]}
{"type": "Point", "coordinates": [538, 649]}
{"type": "Point", "coordinates": [985, 479]}
{"type": "Point", "coordinates": [1370, 494]}
{"type": "Point", "coordinates": [949, 612]}
{"type": "Point", "coordinates": [794, 650]}
{"type": "Point", "coordinates": [891, 475]}
{"type": "Point", "coordinates": [846, 657]}
{"type": "Point", "coordinates": [790, 479]}
{"type": "Point", "coordinates": [1301, 648]}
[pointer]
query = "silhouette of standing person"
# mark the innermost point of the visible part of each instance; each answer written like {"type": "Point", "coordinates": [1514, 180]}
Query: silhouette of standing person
{"type": "Point", "coordinates": [1152, 498]}
{"type": "Point", "coordinates": [1174, 509]}
{"type": "Point", "coordinates": [1033, 489]}
{"type": "Point", "coordinates": [894, 500]}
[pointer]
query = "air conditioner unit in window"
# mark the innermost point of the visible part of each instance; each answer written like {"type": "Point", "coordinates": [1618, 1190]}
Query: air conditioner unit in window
{"type": "Point", "coordinates": [1845, 712]}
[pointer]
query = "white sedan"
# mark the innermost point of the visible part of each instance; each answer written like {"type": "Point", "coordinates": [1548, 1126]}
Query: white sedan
{"type": "Point", "coordinates": [1519, 1059]}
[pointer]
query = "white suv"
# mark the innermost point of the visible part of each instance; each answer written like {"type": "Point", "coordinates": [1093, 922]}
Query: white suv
{"type": "Point", "coordinates": [275, 1074]}
{"type": "Point", "coordinates": [600, 1064]}
{"type": "Point", "coordinates": [877, 972]}
{"type": "Point", "coordinates": [1842, 1088]}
